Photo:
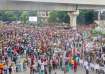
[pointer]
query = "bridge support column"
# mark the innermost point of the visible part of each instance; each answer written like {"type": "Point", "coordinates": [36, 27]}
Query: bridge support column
{"type": "Point", "coordinates": [73, 18]}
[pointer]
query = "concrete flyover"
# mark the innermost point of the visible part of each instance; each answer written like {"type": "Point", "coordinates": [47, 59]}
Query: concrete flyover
{"type": "Point", "coordinates": [47, 5]}
{"type": "Point", "coordinates": [65, 5]}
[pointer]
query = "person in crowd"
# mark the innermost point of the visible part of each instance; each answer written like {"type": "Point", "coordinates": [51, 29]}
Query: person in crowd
{"type": "Point", "coordinates": [25, 64]}
{"type": "Point", "coordinates": [86, 66]}
{"type": "Point", "coordinates": [15, 58]}
{"type": "Point", "coordinates": [3, 60]}
{"type": "Point", "coordinates": [42, 69]}
{"type": "Point", "coordinates": [61, 63]}
{"type": "Point", "coordinates": [72, 62]}
{"type": "Point", "coordinates": [10, 69]}
{"type": "Point", "coordinates": [46, 72]}
{"type": "Point", "coordinates": [65, 70]}
{"type": "Point", "coordinates": [92, 66]}
{"type": "Point", "coordinates": [28, 61]}
{"type": "Point", "coordinates": [31, 69]}
{"type": "Point", "coordinates": [49, 68]}
{"type": "Point", "coordinates": [1, 71]}
{"type": "Point", "coordinates": [81, 62]}
{"type": "Point", "coordinates": [39, 64]}
{"type": "Point", "coordinates": [97, 68]}
{"type": "Point", "coordinates": [10, 52]}
{"type": "Point", "coordinates": [54, 64]}
{"type": "Point", "coordinates": [87, 69]}
{"type": "Point", "coordinates": [75, 65]}
{"type": "Point", "coordinates": [6, 70]}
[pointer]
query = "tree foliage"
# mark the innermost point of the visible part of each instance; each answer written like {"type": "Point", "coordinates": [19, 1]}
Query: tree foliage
{"type": "Point", "coordinates": [58, 17]}
{"type": "Point", "coordinates": [7, 16]}
{"type": "Point", "coordinates": [85, 17]}
{"type": "Point", "coordinates": [24, 16]}
{"type": "Point", "coordinates": [16, 15]}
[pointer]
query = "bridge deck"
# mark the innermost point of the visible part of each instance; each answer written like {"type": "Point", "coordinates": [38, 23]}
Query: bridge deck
{"type": "Point", "coordinates": [88, 2]}
{"type": "Point", "coordinates": [61, 5]}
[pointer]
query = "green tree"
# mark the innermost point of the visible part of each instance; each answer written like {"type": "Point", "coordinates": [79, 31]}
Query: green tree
{"type": "Point", "coordinates": [52, 17]}
{"type": "Point", "coordinates": [1, 15]}
{"type": "Point", "coordinates": [7, 16]}
{"type": "Point", "coordinates": [58, 17]}
{"type": "Point", "coordinates": [63, 17]}
{"type": "Point", "coordinates": [10, 16]}
{"type": "Point", "coordinates": [86, 17]}
{"type": "Point", "coordinates": [18, 14]}
{"type": "Point", "coordinates": [32, 13]}
{"type": "Point", "coordinates": [24, 16]}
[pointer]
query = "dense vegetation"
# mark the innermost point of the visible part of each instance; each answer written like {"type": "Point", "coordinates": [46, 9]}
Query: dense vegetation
{"type": "Point", "coordinates": [85, 16]}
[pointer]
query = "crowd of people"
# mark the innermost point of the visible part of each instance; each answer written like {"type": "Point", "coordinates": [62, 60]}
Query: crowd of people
{"type": "Point", "coordinates": [42, 50]}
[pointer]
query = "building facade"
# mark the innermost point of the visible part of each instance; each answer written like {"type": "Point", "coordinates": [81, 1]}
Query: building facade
{"type": "Point", "coordinates": [43, 16]}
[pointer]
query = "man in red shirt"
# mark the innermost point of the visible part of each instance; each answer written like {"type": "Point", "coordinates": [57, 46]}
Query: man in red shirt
{"type": "Point", "coordinates": [75, 65]}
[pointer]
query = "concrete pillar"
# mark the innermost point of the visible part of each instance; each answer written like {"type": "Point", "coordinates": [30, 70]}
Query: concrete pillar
{"type": "Point", "coordinates": [99, 18]}
{"type": "Point", "coordinates": [99, 15]}
{"type": "Point", "coordinates": [73, 18]}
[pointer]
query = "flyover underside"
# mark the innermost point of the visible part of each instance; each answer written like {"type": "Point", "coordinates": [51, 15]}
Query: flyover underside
{"type": "Point", "coordinates": [46, 6]}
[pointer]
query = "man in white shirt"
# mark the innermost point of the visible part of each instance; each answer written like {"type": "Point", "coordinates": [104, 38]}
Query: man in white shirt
{"type": "Point", "coordinates": [81, 62]}
{"type": "Point", "coordinates": [85, 63]}
{"type": "Point", "coordinates": [86, 66]}
{"type": "Point", "coordinates": [97, 67]}
{"type": "Point", "coordinates": [92, 66]}
{"type": "Point", "coordinates": [39, 61]}
{"type": "Point", "coordinates": [42, 68]}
